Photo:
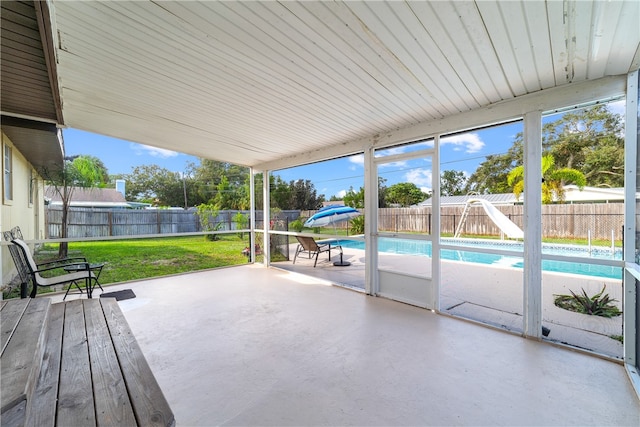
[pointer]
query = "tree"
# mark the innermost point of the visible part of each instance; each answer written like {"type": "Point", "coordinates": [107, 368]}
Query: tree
{"type": "Point", "coordinates": [224, 198]}
{"type": "Point", "coordinates": [452, 183]}
{"type": "Point", "coordinates": [589, 140]}
{"type": "Point", "coordinates": [405, 194]}
{"type": "Point", "coordinates": [491, 176]}
{"type": "Point", "coordinates": [101, 169]}
{"type": "Point", "coordinates": [279, 192]}
{"type": "Point", "coordinates": [160, 186]}
{"type": "Point", "coordinates": [304, 195]}
{"type": "Point", "coordinates": [209, 174]}
{"type": "Point", "coordinates": [553, 180]}
{"type": "Point", "coordinates": [82, 171]}
{"type": "Point", "coordinates": [590, 132]}
{"type": "Point", "coordinates": [354, 199]}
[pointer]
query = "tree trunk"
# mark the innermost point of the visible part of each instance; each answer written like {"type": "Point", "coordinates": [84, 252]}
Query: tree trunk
{"type": "Point", "coordinates": [63, 249]}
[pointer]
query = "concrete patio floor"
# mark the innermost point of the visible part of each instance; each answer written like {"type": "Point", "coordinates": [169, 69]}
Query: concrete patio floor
{"type": "Point", "coordinates": [255, 346]}
{"type": "Point", "coordinates": [490, 294]}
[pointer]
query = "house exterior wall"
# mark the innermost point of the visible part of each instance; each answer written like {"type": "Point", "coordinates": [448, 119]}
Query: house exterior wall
{"type": "Point", "coordinates": [24, 209]}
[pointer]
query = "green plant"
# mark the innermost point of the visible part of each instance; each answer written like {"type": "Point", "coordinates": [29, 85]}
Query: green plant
{"type": "Point", "coordinates": [598, 305]}
{"type": "Point", "coordinates": [207, 212]}
{"type": "Point", "coordinates": [357, 225]}
{"type": "Point", "coordinates": [242, 221]}
{"type": "Point", "coordinates": [296, 225]}
{"type": "Point", "coordinates": [617, 338]}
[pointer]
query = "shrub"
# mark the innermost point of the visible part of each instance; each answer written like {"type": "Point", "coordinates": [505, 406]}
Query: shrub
{"type": "Point", "coordinates": [296, 225]}
{"type": "Point", "coordinates": [207, 212]}
{"type": "Point", "coordinates": [598, 305]}
{"type": "Point", "coordinates": [357, 225]}
{"type": "Point", "coordinates": [242, 221]}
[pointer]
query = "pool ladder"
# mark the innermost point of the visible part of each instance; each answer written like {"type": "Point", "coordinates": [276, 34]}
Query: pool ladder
{"type": "Point", "coordinates": [463, 219]}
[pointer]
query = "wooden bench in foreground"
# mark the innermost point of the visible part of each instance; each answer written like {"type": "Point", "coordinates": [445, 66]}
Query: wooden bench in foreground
{"type": "Point", "coordinates": [75, 363]}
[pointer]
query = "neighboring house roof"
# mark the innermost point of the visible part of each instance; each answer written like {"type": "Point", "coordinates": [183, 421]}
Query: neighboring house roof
{"type": "Point", "coordinates": [496, 199]}
{"type": "Point", "coordinates": [90, 198]}
{"type": "Point", "coordinates": [572, 195]}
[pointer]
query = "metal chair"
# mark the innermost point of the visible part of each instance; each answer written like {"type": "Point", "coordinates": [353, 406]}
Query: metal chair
{"type": "Point", "coordinates": [310, 246]}
{"type": "Point", "coordinates": [23, 274]}
{"type": "Point", "coordinates": [34, 270]}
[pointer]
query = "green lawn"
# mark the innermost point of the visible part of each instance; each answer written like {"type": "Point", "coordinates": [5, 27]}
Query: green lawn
{"type": "Point", "coordinates": [144, 258]}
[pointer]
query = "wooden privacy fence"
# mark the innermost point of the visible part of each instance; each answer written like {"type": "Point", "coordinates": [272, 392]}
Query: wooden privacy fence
{"type": "Point", "coordinates": [126, 222]}
{"type": "Point", "coordinates": [564, 221]}
{"type": "Point", "coordinates": [599, 220]}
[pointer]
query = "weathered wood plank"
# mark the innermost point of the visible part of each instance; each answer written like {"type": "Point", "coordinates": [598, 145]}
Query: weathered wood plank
{"type": "Point", "coordinates": [113, 406]}
{"type": "Point", "coordinates": [11, 315]}
{"type": "Point", "coordinates": [42, 410]}
{"type": "Point", "coordinates": [150, 406]}
{"type": "Point", "coordinates": [14, 417]}
{"type": "Point", "coordinates": [75, 396]}
{"type": "Point", "coordinates": [21, 358]}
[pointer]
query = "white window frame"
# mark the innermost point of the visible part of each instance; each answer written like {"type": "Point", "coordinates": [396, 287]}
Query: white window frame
{"type": "Point", "coordinates": [7, 168]}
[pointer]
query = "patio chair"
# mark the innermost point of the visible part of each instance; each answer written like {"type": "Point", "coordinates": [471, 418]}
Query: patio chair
{"type": "Point", "coordinates": [310, 246]}
{"type": "Point", "coordinates": [25, 262]}
{"type": "Point", "coordinates": [23, 274]}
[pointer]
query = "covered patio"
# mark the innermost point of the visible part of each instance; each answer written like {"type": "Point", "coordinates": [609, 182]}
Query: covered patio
{"type": "Point", "coordinates": [273, 85]}
{"type": "Point", "coordinates": [255, 346]}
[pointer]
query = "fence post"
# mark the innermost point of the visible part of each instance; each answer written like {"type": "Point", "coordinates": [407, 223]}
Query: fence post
{"type": "Point", "coordinates": [454, 225]}
{"type": "Point", "coordinates": [110, 220]}
{"type": "Point", "coordinates": [158, 221]}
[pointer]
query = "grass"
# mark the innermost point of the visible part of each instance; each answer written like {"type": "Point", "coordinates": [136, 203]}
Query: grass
{"type": "Point", "coordinates": [145, 258]}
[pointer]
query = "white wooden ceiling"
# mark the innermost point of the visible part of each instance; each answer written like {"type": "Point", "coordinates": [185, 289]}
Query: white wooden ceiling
{"type": "Point", "coordinates": [253, 82]}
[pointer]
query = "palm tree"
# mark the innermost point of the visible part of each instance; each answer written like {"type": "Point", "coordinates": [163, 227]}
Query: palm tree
{"type": "Point", "coordinates": [553, 180]}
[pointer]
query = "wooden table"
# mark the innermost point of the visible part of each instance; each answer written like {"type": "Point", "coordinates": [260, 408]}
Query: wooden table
{"type": "Point", "coordinates": [75, 363]}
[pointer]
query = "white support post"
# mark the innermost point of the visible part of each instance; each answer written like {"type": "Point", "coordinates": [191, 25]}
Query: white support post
{"type": "Point", "coordinates": [266, 249]}
{"type": "Point", "coordinates": [371, 284]}
{"type": "Point", "coordinates": [252, 213]}
{"type": "Point", "coordinates": [630, 297]}
{"type": "Point", "coordinates": [435, 225]}
{"type": "Point", "coordinates": [532, 295]}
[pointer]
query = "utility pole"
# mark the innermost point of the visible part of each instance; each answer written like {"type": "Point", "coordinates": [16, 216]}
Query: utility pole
{"type": "Point", "coordinates": [184, 187]}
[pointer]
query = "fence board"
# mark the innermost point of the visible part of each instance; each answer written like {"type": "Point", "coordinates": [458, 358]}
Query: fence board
{"type": "Point", "coordinates": [85, 222]}
{"type": "Point", "coordinates": [599, 220]}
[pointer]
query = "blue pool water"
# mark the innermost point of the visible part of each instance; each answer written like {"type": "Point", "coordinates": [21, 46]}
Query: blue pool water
{"type": "Point", "coordinates": [423, 248]}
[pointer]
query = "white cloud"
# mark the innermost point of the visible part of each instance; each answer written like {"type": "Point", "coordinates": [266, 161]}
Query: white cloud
{"type": "Point", "coordinates": [341, 193]}
{"type": "Point", "coordinates": [358, 159]}
{"type": "Point", "coordinates": [420, 177]}
{"type": "Point", "coordinates": [401, 164]}
{"type": "Point", "coordinates": [140, 150]}
{"type": "Point", "coordinates": [469, 142]}
{"type": "Point", "coordinates": [618, 107]}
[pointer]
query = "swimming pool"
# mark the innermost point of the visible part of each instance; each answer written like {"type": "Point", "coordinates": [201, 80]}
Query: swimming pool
{"type": "Point", "coordinates": [423, 248]}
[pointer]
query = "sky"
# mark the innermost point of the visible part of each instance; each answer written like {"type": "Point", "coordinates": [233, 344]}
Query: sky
{"type": "Point", "coordinates": [462, 152]}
